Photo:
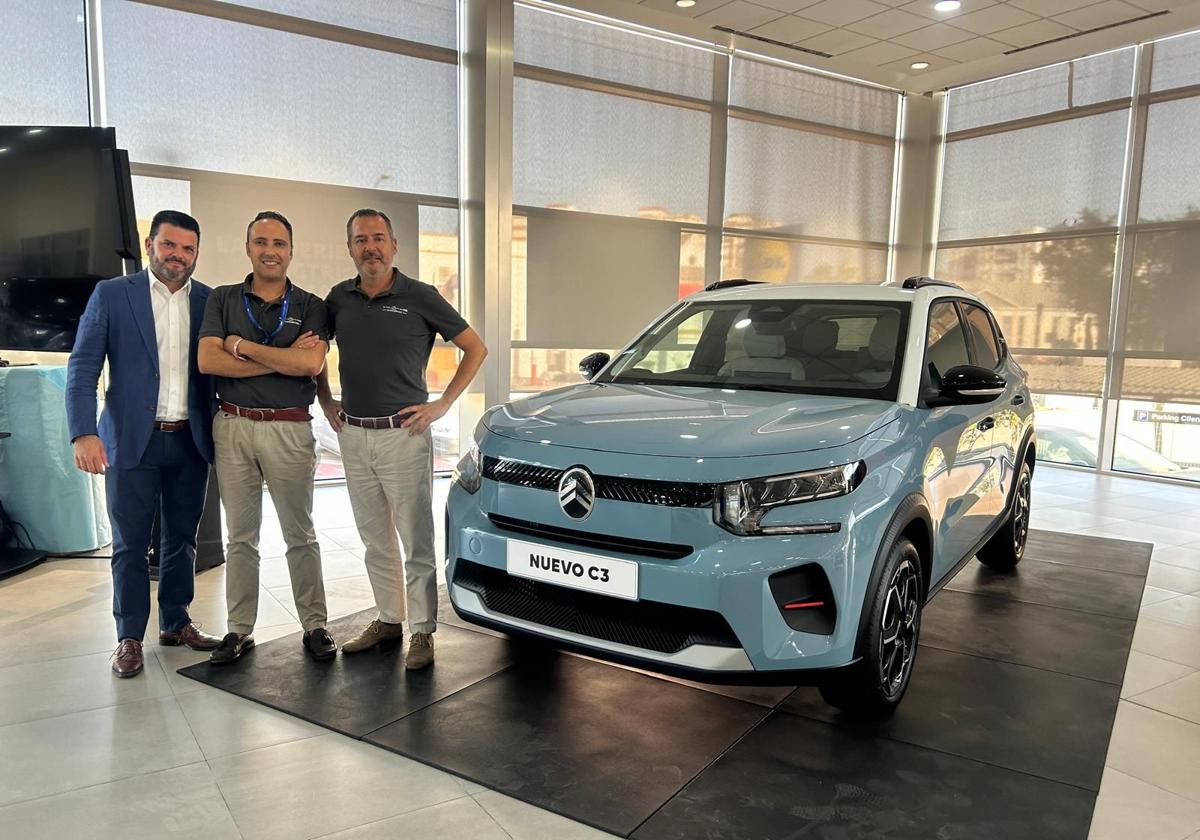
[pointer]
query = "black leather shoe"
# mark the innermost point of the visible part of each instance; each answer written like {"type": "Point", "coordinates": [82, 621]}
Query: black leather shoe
{"type": "Point", "coordinates": [319, 644]}
{"type": "Point", "coordinates": [231, 647]}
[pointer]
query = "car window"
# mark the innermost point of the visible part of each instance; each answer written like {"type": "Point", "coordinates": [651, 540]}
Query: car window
{"type": "Point", "coordinates": [983, 339]}
{"type": "Point", "coordinates": [945, 344]}
{"type": "Point", "coordinates": [848, 348]}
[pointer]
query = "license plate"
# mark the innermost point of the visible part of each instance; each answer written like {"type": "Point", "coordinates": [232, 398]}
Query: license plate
{"type": "Point", "coordinates": [590, 572]}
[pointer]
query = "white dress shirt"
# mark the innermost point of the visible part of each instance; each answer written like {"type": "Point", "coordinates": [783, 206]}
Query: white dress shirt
{"type": "Point", "coordinates": [172, 328]}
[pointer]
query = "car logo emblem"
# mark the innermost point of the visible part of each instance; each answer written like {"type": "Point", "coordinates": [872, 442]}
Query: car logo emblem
{"type": "Point", "coordinates": [577, 493]}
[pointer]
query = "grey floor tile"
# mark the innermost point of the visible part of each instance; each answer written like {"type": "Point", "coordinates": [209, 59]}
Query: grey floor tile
{"type": "Point", "coordinates": [323, 785]}
{"type": "Point", "coordinates": [59, 754]}
{"type": "Point", "coordinates": [181, 804]}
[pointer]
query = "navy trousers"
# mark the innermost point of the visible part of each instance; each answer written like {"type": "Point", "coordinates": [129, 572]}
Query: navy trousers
{"type": "Point", "coordinates": [171, 480]}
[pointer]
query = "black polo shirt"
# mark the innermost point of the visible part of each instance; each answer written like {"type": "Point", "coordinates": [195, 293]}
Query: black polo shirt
{"type": "Point", "coordinates": [384, 342]}
{"type": "Point", "coordinates": [225, 314]}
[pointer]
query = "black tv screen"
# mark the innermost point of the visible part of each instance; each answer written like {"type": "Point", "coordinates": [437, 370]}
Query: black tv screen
{"type": "Point", "coordinates": [66, 222]}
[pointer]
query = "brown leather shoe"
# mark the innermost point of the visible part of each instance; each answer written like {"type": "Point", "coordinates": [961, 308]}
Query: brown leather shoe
{"type": "Point", "coordinates": [127, 658]}
{"type": "Point", "coordinates": [190, 635]}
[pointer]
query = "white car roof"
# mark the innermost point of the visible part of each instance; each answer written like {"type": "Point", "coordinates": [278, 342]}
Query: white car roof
{"type": "Point", "coordinates": [833, 291]}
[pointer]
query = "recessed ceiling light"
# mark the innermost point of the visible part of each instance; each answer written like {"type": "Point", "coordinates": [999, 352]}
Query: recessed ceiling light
{"type": "Point", "coordinates": [36, 130]}
{"type": "Point", "coordinates": [5, 149]}
{"type": "Point", "coordinates": [947, 5]}
{"type": "Point", "coordinates": [920, 65]}
{"type": "Point", "coordinates": [685, 4]}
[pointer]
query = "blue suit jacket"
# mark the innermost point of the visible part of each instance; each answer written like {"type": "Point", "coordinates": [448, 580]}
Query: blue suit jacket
{"type": "Point", "coordinates": [119, 324]}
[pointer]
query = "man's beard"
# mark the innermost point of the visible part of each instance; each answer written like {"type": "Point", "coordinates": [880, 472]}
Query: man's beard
{"type": "Point", "coordinates": [173, 271]}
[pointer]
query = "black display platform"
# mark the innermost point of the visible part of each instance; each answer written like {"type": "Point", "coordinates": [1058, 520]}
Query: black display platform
{"type": "Point", "coordinates": [1003, 732]}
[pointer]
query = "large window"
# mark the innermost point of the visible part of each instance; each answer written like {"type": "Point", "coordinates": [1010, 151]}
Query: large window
{"type": "Point", "coordinates": [295, 123]}
{"type": "Point", "coordinates": [1031, 195]}
{"type": "Point", "coordinates": [610, 183]}
{"type": "Point", "coordinates": [43, 63]}
{"type": "Point", "coordinates": [808, 184]}
{"type": "Point", "coordinates": [1036, 167]}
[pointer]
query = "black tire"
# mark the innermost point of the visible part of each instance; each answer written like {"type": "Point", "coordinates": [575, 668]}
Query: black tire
{"type": "Point", "coordinates": [874, 686]}
{"type": "Point", "coordinates": [1007, 546]}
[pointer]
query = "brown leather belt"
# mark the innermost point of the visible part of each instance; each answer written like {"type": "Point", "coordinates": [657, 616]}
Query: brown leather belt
{"type": "Point", "coordinates": [293, 414]}
{"type": "Point", "coordinates": [170, 425]}
{"type": "Point", "coordinates": [395, 421]}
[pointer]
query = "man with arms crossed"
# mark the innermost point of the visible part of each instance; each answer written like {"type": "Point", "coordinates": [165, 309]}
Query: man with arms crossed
{"type": "Point", "coordinates": [385, 324]}
{"type": "Point", "coordinates": [264, 340]}
{"type": "Point", "coordinates": [154, 441]}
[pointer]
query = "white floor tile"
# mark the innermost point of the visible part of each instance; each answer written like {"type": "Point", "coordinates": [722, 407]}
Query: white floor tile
{"type": "Point", "coordinates": [225, 724]}
{"type": "Point", "coordinates": [1145, 672]}
{"type": "Point", "coordinates": [1157, 748]}
{"type": "Point", "coordinates": [1182, 609]}
{"type": "Point", "coordinates": [1184, 556]}
{"type": "Point", "coordinates": [522, 821]}
{"type": "Point", "coordinates": [323, 785]}
{"type": "Point", "coordinates": [459, 818]}
{"type": "Point", "coordinates": [1172, 642]}
{"type": "Point", "coordinates": [75, 684]}
{"type": "Point", "coordinates": [1130, 808]}
{"type": "Point", "coordinates": [1175, 578]}
{"type": "Point", "coordinates": [183, 804]}
{"type": "Point", "coordinates": [59, 754]}
{"type": "Point", "coordinates": [1180, 698]}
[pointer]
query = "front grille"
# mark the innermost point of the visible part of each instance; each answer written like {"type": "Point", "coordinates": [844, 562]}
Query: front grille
{"type": "Point", "coordinates": [645, 491]}
{"type": "Point", "coordinates": [626, 545]}
{"type": "Point", "coordinates": [665, 628]}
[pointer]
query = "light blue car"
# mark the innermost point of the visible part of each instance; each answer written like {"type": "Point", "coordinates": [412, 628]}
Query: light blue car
{"type": "Point", "coordinates": [766, 486]}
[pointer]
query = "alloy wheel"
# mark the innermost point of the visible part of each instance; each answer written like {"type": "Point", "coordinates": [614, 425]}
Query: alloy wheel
{"type": "Point", "coordinates": [898, 630]}
{"type": "Point", "coordinates": [1021, 515]}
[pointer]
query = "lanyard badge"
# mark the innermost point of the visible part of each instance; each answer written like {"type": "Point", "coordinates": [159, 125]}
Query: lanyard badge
{"type": "Point", "coordinates": [268, 336]}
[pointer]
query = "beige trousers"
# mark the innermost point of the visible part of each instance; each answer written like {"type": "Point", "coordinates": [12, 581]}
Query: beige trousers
{"type": "Point", "coordinates": [284, 454]}
{"type": "Point", "coordinates": [389, 475]}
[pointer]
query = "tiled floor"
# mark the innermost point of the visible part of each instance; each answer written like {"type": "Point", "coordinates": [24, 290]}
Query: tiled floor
{"type": "Point", "coordinates": [84, 754]}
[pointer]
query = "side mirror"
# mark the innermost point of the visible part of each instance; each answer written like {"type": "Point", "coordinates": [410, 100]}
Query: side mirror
{"type": "Point", "coordinates": [969, 385]}
{"type": "Point", "coordinates": [592, 364]}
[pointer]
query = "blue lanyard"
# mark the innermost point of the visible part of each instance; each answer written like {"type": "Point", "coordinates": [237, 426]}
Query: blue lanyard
{"type": "Point", "coordinates": [270, 336]}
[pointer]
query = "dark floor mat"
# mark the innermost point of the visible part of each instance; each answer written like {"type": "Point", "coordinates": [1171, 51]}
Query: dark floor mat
{"type": "Point", "coordinates": [602, 745]}
{"type": "Point", "coordinates": [1003, 732]}
{"type": "Point", "coordinates": [797, 778]}
{"type": "Point", "coordinates": [358, 693]}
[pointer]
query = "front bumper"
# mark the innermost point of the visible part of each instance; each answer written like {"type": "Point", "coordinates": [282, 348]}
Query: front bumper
{"type": "Point", "coordinates": [711, 572]}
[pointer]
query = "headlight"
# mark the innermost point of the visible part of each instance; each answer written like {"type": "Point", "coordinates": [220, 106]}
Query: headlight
{"type": "Point", "coordinates": [467, 475]}
{"type": "Point", "coordinates": [741, 505]}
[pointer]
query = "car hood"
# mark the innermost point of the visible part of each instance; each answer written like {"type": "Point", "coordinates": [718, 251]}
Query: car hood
{"type": "Point", "coordinates": [687, 421]}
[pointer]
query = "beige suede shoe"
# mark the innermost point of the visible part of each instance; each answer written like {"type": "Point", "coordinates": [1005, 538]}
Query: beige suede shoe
{"type": "Point", "coordinates": [420, 651]}
{"type": "Point", "coordinates": [373, 635]}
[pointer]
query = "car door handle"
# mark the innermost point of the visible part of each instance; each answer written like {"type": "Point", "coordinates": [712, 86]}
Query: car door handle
{"type": "Point", "coordinates": [1019, 399]}
{"type": "Point", "coordinates": [986, 424]}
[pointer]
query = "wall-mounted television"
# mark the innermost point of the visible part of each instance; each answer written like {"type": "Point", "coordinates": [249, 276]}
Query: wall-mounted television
{"type": "Point", "coordinates": [66, 222]}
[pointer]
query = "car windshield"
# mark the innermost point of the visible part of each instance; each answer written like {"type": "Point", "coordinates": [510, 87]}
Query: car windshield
{"type": "Point", "coordinates": [834, 347]}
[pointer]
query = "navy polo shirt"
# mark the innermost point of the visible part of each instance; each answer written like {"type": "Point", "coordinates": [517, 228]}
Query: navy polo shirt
{"type": "Point", "coordinates": [384, 342]}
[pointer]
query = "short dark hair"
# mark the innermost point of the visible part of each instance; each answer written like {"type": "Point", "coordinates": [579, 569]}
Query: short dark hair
{"type": "Point", "coordinates": [273, 216]}
{"type": "Point", "coordinates": [367, 212]}
{"type": "Point", "coordinates": [177, 218]}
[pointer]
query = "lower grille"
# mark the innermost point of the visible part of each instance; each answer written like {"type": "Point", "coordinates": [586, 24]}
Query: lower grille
{"type": "Point", "coordinates": [664, 628]}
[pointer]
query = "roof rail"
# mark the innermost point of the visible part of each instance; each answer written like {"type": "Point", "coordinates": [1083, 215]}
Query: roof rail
{"type": "Point", "coordinates": [731, 284]}
{"type": "Point", "coordinates": [921, 281]}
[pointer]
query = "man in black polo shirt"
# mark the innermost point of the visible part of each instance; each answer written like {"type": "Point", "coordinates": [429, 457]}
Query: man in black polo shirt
{"type": "Point", "coordinates": [264, 339]}
{"type": "Point", "coordinates": [385, 324]}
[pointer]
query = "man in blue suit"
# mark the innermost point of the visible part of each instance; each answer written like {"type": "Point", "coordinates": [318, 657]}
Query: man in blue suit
{"type": "Point", "coordinates": [154, 440]}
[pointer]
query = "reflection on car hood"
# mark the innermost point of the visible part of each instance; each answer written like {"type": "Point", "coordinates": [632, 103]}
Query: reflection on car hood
{"type": "Point", "coordinates": [688, 421]}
